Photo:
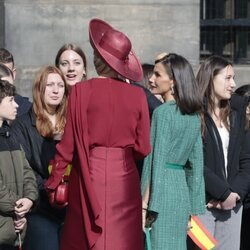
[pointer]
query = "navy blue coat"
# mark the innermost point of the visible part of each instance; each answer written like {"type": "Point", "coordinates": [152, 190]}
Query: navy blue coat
{"type": "Point", "coordinates": [23, 103]}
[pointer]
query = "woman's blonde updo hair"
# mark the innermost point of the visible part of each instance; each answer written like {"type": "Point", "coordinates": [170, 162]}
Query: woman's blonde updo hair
{"type": "Point", "coordinates": [102, 67]}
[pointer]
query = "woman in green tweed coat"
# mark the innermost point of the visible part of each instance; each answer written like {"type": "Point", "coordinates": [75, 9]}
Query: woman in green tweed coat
{"type": "Point", "coordinates": [172, 178]}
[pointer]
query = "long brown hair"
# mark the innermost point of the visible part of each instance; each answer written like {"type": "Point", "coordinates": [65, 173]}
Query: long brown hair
{"type": "Point", "coordinates": [43, 124]}
{"type": "Point", "coordinates": [211, 67]}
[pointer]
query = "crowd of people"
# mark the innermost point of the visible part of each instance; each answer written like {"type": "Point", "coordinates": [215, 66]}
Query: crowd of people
{"type": "Point", "coordinates": [148, 145]}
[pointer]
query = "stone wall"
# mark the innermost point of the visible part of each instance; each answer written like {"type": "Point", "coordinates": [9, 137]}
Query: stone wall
{"type": "Point", "coordinates": [33, 30]}
{"type": "Point", "coordinates": [36, 29]}
{"type": "Point", "coordinates": [2, 19]}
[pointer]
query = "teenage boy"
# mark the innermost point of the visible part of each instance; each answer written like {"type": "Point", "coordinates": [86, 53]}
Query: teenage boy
{"type": "Point", "coordinates": [18, 188]}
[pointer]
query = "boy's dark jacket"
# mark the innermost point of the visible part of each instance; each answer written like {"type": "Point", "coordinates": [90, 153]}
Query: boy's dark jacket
{"type": "Point", "coordinates": [17, 180]}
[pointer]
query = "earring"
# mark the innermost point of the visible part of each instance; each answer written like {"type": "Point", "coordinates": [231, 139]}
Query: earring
{"type": "Point", "coordinates": [172, 89]}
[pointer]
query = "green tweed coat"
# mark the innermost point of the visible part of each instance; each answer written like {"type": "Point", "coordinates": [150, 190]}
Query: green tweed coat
{"type": "Point", "coordinates": [174, 193]}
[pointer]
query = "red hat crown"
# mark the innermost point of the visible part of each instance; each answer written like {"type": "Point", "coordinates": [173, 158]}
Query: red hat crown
{"type": "Point", "coordinates": [116, 43]}
{"type": "Point", "coordinates": [115, 49]}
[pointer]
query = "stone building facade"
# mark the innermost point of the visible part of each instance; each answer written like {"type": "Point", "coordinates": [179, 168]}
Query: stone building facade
{"type": "Point", "coordinates": [33, 30]}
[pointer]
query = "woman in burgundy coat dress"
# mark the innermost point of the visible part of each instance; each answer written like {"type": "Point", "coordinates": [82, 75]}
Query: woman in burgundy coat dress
{"type": "Point", "coordinates": [107, 129]}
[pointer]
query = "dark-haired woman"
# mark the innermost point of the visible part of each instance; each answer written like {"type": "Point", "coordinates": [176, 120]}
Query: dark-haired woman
{"type": "Point", "coordinates": [172, 178]}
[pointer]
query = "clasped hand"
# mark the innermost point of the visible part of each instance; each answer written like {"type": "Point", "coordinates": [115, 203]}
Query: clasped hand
{"type": "Point", "coordinates": [19, 223]}
{"type": "Point", "coordinates": [228, 204]}
{"type": "Point", "coordinates": [22, 207]}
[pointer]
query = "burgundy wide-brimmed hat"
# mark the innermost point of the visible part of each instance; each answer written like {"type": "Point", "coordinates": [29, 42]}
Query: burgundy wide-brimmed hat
{"type": "Point", "coordinates": [115, 49]}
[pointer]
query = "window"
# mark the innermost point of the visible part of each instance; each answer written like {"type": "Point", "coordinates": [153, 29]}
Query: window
{"type": "Point", "coordinates": [225, 29]}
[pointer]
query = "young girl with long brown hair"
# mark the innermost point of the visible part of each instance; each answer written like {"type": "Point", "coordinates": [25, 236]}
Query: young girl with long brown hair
{"type": "Point", "coordinates": [38, 131]}
{"type": "Point", "coordinates": [226, 161]}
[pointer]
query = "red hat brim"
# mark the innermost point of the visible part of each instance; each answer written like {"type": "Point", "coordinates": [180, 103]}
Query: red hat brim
{"type": "Point", "coordinates": [130, 69]}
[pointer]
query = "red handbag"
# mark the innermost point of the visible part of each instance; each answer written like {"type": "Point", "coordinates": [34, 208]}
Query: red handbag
{"type": "Point", "coordinates": [59, 197]}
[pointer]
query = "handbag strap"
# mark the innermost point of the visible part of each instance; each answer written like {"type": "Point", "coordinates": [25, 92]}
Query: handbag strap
{"type": "Point", "coordinates": [148, 240]}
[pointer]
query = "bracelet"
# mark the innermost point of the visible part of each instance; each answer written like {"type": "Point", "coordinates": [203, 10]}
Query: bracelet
{"type": "Point", "coordinates": [145, 209]}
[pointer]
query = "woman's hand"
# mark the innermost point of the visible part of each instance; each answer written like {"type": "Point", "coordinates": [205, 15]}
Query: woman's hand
{"type": "Point", "coordinates": [214, 204]}
{"type": "Point", "coordinates": [230, 202]}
